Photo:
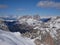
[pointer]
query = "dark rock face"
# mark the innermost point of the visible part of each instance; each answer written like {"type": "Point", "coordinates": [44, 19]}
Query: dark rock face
{"type": "Point", "coordinates": [10, 25]}
{"type": "Point", "coordinates": [22, 28]}
{"type": "Point", "coordinates": [3, 26]}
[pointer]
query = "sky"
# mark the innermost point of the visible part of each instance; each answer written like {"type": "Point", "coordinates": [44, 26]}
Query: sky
{"type": "Point", "coordinates": [30, 7]}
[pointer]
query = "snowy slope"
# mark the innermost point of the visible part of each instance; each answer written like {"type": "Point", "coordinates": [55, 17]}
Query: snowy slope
{"type": "Point", "coordinates": [8, 38]}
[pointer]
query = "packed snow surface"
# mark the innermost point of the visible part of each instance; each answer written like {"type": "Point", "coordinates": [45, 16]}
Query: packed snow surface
{"type": "Point", "coordinates": [9, 38]}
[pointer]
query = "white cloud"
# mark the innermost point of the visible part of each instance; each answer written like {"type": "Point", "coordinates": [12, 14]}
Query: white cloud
{"type": "Point", "coordinates": [49, 4]}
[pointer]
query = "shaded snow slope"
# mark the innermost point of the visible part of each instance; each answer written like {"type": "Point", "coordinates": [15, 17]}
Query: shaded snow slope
{"type": "Point", "coordinates": [8, 38]}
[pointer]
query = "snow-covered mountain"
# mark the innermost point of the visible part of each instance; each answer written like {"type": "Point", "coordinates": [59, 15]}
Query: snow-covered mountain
{"type": "Point", "coordinates": [42, 27]}
{"type": "Point", "coordinates": [41, 30]}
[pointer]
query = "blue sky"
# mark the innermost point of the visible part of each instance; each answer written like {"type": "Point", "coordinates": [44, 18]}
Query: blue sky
{"type": "Point", "coordinates": [30, 7]}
